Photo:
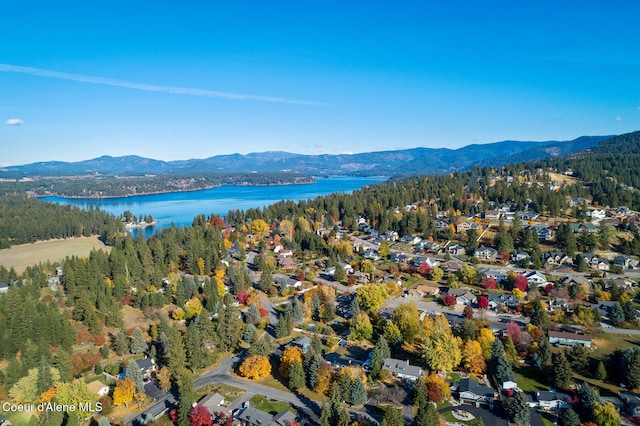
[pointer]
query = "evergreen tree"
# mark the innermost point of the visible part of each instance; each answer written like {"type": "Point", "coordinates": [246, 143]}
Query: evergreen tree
{"type": "Point", "coordinates": [354, 308]}
{"type": "Point", "coordinates": [544, 352]}
{"type": "Point", "coordinates": [316, 306]}
{"type": "Point", "coordinates": [297, 314]}
{"type": "Point", "coordinates": [266, 280]}
{"type": "Point", "coordinates": [561, 373]}
{"type": "Point", "coordinates": [601, 372]}
{"type": "Point", "coordinates": [392, 417]}
{"type": "Point", "coordinates": [328, 313]}
{"type": "Point", "coordinates": [253, 314]}
{"type": "Point", "coordinates": [296, 375]}
{"type": "Point", "coordinates": [230, 325]}
{"type": "Point", "coordinates": [281, 327]}
{"type": "Point", "coordinates": [138, 343]}
{"type": "Point", "coordinates": [616, 314]}
{"type": "Point", "coordinates": [44, 379]}
{"type": "Point", "coordinates": [518, 409]}
{"type": "Point", "coordinates": [358, 392]}
{"type": "Point", "coordinates": [61, 362]}
{"type": "Point", "coordinates": [587, 398]}
{"type": "Point", "coordinates": [568, 417]}
{"type": "Point", "coordinates": [578, 358]}
{"type": "Point", "coordinates": [312, 362]}
{"type": "Point", "coordinates": [134, 374]}
{"type": "Point", "coordinates": [120, 344]}
{"type": "Point", "coordinates": [381, 351]}
{"type": "Point", "coordinates": [498, 365]}
{"type": "Point", "coordinates": [539, 316]}
{"type": "Point", "coordinates": [262, 346]}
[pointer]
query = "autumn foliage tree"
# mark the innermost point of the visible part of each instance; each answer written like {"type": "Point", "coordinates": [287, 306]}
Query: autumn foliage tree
{"type": "Point", "coordinates": [483, 302]}
{"type": "Point", "coordinates": [291, 354]}
{"type": "Point", "coordinates": [521, 283]}
{"type": "Point", "coordinates": [255, 367]}
{"type": "Point", "coordinates": [123, 392]}
{"type": "Point", "coordinates": [489, 283]}
{"type": "Point", "coordinates": [200, 416]}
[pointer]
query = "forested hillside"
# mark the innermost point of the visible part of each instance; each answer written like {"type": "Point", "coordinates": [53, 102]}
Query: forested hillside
{"type": "Point", "coordinates": [609, 171]}
{"type": "Point", "coordinates": [123, 186]}
{"type": "Point", "coordinates": [26, 220]}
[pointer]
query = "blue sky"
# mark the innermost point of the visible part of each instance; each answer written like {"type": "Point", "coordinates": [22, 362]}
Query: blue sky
{"type": "Point", "coordinates": [191, 80]}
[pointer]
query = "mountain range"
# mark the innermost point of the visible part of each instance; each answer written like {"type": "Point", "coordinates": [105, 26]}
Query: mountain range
{"type": "Point", "coordinates": [379, 163]}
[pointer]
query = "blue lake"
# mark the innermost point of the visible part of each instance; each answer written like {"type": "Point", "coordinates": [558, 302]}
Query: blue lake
{"type": "Point", "coordinates": [181, 207]}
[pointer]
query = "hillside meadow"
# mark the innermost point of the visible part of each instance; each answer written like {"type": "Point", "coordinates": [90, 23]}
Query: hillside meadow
{"type": "Point", "coordinates": [24, 255]}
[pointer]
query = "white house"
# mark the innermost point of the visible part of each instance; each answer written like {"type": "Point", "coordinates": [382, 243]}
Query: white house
{"type": "Point", "coordinates": [535, 278]}
{"type": "Point", "coordinates": [548, 400]}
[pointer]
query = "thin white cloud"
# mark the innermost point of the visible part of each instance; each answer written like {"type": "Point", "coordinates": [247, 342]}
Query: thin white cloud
{"type": "Point", "coordinates": [14, 122]}
{"type": "Point", "coordinates": [149, 87]}
{"type": "Point", "coordinates": [619, 119]}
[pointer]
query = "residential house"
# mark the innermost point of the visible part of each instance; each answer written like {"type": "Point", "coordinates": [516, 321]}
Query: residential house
{"type": "Point", "coordinates": [527, 216]}
{"type": "Point", "coordinates": [431, 261]}
{"type": "Point", "coordinates": [543, 232]}
{"type": "Point", "coordinates": [424, 290]}
{"type": "Point", "coordinates": [303, 343]}
{"type": "Point", "coordinates": [451, 266]}
{"type": "Point", "coordinates": [455, 250]}
{"type": "Point", "coordinates": [463, 296]}
{"type": "Point", "coordinates": [483, 252]}
{"type": "Point", "coordinates": [520, 257]}
{"type": "Point", "coordinates": [597, 214]}
{"type": "Point", "coordinates": [463, 226]}
{"type": "Point", "coordinates": [146, 366]}
{"type": "Point", "coordinates": [535, 278]}
{"type": "Point", "coordinates": [492, 214]}
{"type": "Point", "coordinates": [568, 339]}
{"type": "Point", "coordinates": [4, 288]}
{"type": "Point", "coordinates": [285, 262]}
{"type": "Point", "coordinates": [251, 416]}
{"type": "Point", "coordinates": [470, 390]}
{"type": "Point", "coordinates": [339, 361]}
{"type": "Point", "coordinates": [400, 257]}
{"type": "Point", "coordinates": [213, 402]}
{"type": "Point", "coordinates": [499, 276]}
{"type": "Point", "coordinates": [557, 258]}
{"type": "Point", "coordinates": [372, 254]}
{"type": "Point", "coordinates": [390, 236]}
{"type": "Point", "coordinates": [595, 262]}
{"type": "Point", "coordinates": [402, 369]}
{"type": "Point", "coordinates": [604, 307]}
{"type": "Point", "coordinates": [548, 400]}
{"type": "Point", "coordinates": [98, 388]}
{"type": "Point", "coordinates": [579, 228]}
{"type": "Point", "coordinates": [497, 299]}
{"type": "Point", "coordinates": [410, 239]}
{"type": "Point", "coordinates": [508, 383]}
{"type": "Point", "coordinates": [283, 281]}
{"type": "Point", "coordinates": [429, 245]}
{"type": "Point", "coordinates": [625, 262]}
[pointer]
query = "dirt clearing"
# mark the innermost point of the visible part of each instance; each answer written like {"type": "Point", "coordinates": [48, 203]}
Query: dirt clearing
{"type": "Point", "coordinates": [19, 257]}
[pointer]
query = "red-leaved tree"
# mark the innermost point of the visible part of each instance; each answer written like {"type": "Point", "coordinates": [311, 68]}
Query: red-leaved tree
{"type": "Point", "coordinates": [449, 300]}
{"type": "Point", "coordinates": [483, 302]}
{"type": "Point", "coordinates": [513, 331]}
{"type": "Point", "coordinates": [242, 297]}
{"type": "Point", "coordinates": [521, 283]}
{"type": "Point", "coordinates": [200, 416]}
{"type": "Point", "coordinates": [489, 283]}
{"type": "Point", "coordinates": [424, 269]}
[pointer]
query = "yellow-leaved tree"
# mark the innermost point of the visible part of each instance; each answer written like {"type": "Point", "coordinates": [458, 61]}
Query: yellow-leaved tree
{"type": "Point", "coordinates": [473, 358]}
{"type": "Point", "coordinates": [259, 228]}
{"type": "Point", "coordinates": [255, 367]}
{"type": "Point", "coordinates": [291, 354]}
{"type": "Point", "coordinates": [440, 348]}
{"type": "Point", "coordinates": [123, 392]}
{"type": "Point", "coordinates": [486, 338]}
{"type": "Point", "coordinates": [193, 307]}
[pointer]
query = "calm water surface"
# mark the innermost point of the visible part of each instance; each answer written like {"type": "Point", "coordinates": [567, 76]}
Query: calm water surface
{"type": "Point", "coordinates": [181, 207]}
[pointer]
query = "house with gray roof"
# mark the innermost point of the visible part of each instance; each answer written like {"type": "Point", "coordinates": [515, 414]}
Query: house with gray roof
{"type": "Point", "coordinates": [402, 369]}
{"type": "Point", "coordinates": [470, 390]}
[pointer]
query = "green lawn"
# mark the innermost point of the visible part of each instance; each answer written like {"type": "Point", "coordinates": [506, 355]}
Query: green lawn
{"type": "Point", "coordinates": [273, 407]}
{"type": "Point", "coordinates": [530, 379]}
{"type": "Point", "coordinates": [230, 393]}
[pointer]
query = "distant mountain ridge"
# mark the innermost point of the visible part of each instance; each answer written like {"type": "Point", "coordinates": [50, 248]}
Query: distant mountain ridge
{"type": "Point", "coordinates": [381, 163]}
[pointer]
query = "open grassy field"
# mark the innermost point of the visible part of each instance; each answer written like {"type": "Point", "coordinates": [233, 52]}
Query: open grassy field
{"type": "Point", "coordinates": [22, 256]}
